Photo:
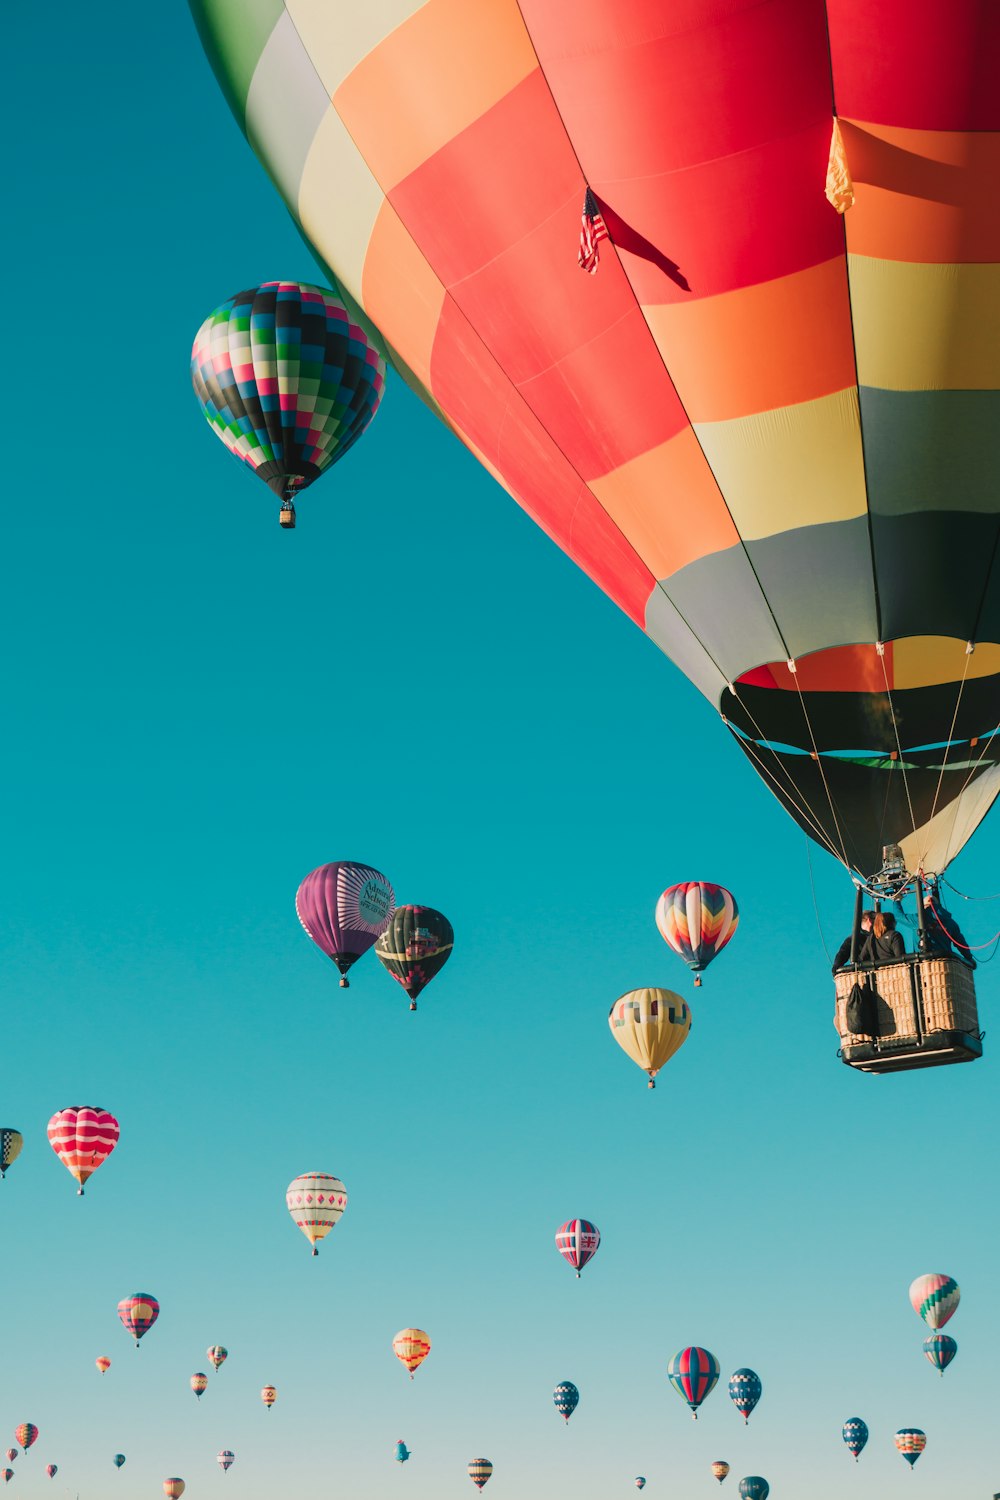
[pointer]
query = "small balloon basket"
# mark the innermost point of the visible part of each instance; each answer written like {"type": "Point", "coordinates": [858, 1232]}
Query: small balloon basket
{"type": "Point", "coordinates": [926, 1015]}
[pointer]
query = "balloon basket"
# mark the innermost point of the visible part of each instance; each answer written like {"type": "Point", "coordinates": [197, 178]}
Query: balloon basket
{"type": "Point", "coordinates": [926, 1015]}
{"type": "Point", "coordinates": [345, 983]}
{"type": "Point", "coordinates": [286, 517]}
{"type": "Point", "coordinates": [413, 1005]}
{"type": "Point", "coordinates": [697, 981]}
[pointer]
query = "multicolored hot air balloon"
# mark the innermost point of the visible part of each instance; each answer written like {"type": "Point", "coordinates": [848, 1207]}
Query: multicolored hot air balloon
{"type": "Point", "coordinates": [744, 1391]}
{"type": "Point", "coordinates": [480, 1470]}
{"type": "Point", "coordinates": [415, 946]}
{"type": "Point", "coordinates": [693, 1374]}
{"type": "Point", "coordinates": [8, 1475]}
{"type": "Point", "coordinates": [402, 1452]}
{"type": "Point", "coordinates": [940, 1349]}
{"type": "Point", "coordinates": [288, 380]}
{"type": "Point", "coordinates": [269, 1396]}
{"type": "Point", "coordinates": [566, 1398]}
{"type": "Point", "coordinates": [138, 1313]}
{"type": "Point", "coordinates": [83, 1137]}
{"type": "Point", "coordinates": [640, 1481]}
{"type": "Point", "coordinates": [720, 1469]}
{"type": "Point", "coordinates": [344, 907]}
{"type": "Point", "coordinates": [11, 1143]}
{"type": "Point", "coordinates": [697, 920]}
{"type": "Point", "coordinates": [199, 1383]}
{"type": "Point", "coordinates": [754, 1488]}
{"type": "Point", "coordinates": [217, 1356]}
{"type": "Point", "coordinates": [52, 1470]}
{"type": "Point", "coordinates": [855, 1435]}
{"type": "Point", "coordinates": [103, 1363]}
{"type": "Point", "coordinates": [174, 1488]}
{"type": "Point", "coordinates": [26, 1434]}
{"type": "Point", "coordinates": [118, 1460]}
{"type": "Point", "coordinates": [650, 1025]}
{"type": "Point", "coordinates": [577, 1242]}
{"type": "Point", "coordinates": [935, 1297]}
{"type": "Point", "coordinates": [911, 1442]}
{"type": "Point", "coordinates": [225, 1459]}
{"type": "Point", "coordinates": [411, 1347]}
{"type": "Point", "coordinates": [316, 1201]}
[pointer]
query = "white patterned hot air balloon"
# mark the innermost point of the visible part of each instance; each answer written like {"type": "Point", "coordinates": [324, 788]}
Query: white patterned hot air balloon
{"type": "Point", "coordinates": [316, 1201]}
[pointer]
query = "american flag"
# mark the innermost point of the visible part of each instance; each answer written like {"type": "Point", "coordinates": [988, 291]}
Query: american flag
{"type": "Point", "coordinates": [593, 231]}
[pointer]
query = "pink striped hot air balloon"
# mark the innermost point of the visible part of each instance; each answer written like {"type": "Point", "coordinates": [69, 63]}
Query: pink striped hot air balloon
{"type": "Point", "coordinates": [935, 1298]}
{"type": "Point", "coordinates": [138, 1314]}
{"type": "Point", "coordinates": [693, 1373]}
{"type": "Point", "coordinates": [83, 1136]}
{"type": "Point", "coordinates": [697, 919]}
{"type": "Point", "coordinates": [344, 907]}
{"type": "Point", "coordinates": [577, 1241]}
{"type": "Point", "coordinates": [103, 1363]}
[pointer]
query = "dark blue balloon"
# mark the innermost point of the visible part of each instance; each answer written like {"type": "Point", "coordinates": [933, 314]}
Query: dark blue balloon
{"type": "Point", "coordinates": [566, 1397]}
{"type": "Point", "coordinates": [855, 1435]}
{"type": "Point", "coordinates": [744, 1391]}
{"type": "Point", "coordinates": [754, 1488]}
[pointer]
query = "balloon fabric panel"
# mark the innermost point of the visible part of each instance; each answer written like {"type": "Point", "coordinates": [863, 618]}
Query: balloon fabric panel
{"type": "Point", "coordinates": [855, 1435]}
{"type": "Point", "coordinates": [693, 1373]}
{"type": "Point", "coordinates": [11, 1143]}
{"type": "Point", "coordinates": [935, 1298]}
{"type": "Point", "coordinates": [83, 1137]}
{"type": "Point", "coordinates": [345, 907]}
{"type": "Point", "coordinates": [415, 946]}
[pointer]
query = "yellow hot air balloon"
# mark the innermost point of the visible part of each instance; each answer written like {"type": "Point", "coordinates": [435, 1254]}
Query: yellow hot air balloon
{"type": "Point", "coordinates": [650, 1025]}
{"type": "Point", "coordinates": [103, 1363]}
{"type": "Point", "coordinates": [269, 1396]}
{"type": "Point", "coordinates": [174, 1488]}
{"type": "Point", "coordinates": [412, 1347]}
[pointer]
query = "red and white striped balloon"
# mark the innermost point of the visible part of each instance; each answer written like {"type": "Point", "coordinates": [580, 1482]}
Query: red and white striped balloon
{"type": "Point", "coordinates": [83, 1136]}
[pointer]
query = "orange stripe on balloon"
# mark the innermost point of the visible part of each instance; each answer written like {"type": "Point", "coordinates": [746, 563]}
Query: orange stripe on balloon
{"type": "Point", "coordinates": [401, 292]}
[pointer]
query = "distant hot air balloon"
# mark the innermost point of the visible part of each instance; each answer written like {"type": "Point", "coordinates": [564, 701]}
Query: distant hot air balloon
{"type": "Point", "coordinates": [935, 1297]}
{"type": "Point", "coordinates": [411, 1346]}
{"type": "Point", "coordinates": [697, 920]}
{"type": "Point", "coordinates": [940, 1349]}
{"type": "Point", "coordinates": [650, 1025]}
{"type": "Point", "coordinates": [217, 1356]}
{"type": "Point", "coordinates": [566, 1398]}
{"type": "Point", "coordinates": [693, 1374]}
{"type": "Point", "coordinates": [269, 1396]}
{"type": "Point", "coordinates": [316, 1201]}
{"type": "Point", "coordinates": [52, 1470]}
{"type": "Point", "coordinates": [911, 1442]}
{"type": "Point", "coordinates": [754, 1488]}
{"type": "Point", "coordinates": [174, 1488]}
{"type": "Point", "coordinates": [118, 1460]}
{"type": "Point", "coordinates": [855, 1435]}
{"type": "Point", "coordinates": [415, 946]}
{"type": "Point", "coordinates": [292, 396]}
{"type": "Point", "coordinates": [744, 1391]}
{"type": "Point", "coordinates": [640, 1481]}
{"type": "Point", "coordinates": [12, 1453]}
{"type": "Point", "coordinates": [8, 1475]}
{"type": "Point", "coordinates": [720, 1469]}
{"type": "Point", "coordinates": [402, 1452]}
{"type": "Point", "coordinates": [225, 1460]}
{"type": "Point", "coordinates": [103, 1363]}
{"type": "Point", "coordinates": [344, 907]}
{"type": "Point", "coordinates": [26, 1434]}
{"type": "Point", "coordinates": [577, 1242]}
{"type": "Point", "coordinates": [11, 1142]}
{"type": "Point", "coordinates": [480, 1470]}
{"type": "Point", "coordinates": [83, 1136]}
{"type": "Point", "coordinates": [138, 1314]}
{"type": "Point", "coordinates": [199, 1383]}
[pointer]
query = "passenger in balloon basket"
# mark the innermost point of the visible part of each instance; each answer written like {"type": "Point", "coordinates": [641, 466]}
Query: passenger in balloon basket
{"type": "Point", "coordinates": [942, 933]}
{"type": "Point", "coordinates": [883, 945]}
{"type": "Point", "coordinates": [842, 960]}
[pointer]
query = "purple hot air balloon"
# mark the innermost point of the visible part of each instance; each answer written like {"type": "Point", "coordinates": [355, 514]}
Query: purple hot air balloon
{"type": "Point", "coordinates": [344, 907]}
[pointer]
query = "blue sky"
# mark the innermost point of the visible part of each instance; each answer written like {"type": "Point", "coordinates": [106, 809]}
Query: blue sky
{"type": "Point", "coordinates": [199, 710]}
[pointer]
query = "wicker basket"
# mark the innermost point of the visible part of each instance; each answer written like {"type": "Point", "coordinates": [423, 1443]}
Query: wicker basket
{"type": "Point", "coordinates": [914, 999]}
{"type": "Point", "coordinates": [897, 1013]}
{"type": "Point", "coordinates": [949, 996]}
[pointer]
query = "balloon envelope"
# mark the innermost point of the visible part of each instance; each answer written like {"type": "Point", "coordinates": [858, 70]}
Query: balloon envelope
{"type": "Point", "coordinates": [217, 1355]}
{"type": "Point", "coordinates": [402, 1452]}
{"type": "Point", "coordinates": [225, 1459]}
{"type": "Point", "coordinates": [697, 919]}
{"type": "Point", "coordinates": [415, 946]}
{"type": "Point", "coordinates": [754, 1488]}
{"type": "Point", "coordinates": [720, 1469]}
{"type": "Point", "coordinates": [911, 1442]}
{"type": "Point", "coordinates": [83, 1136]}
{"type": "Point", "coordinates": [138, 1313]}
{"type": "Point", "coordinates": [52, 1470]}
{"type": "Point", "coordinates": [118, 1460]}
{"type": "Point", "coordinates": [269, 1396]}
{"type": "Point", "coordinates": [344, 907]}
{"type": "Point", "coordinates": [940, 1349]}
{"type": "Point", "coordinates": [640, 1481]}
{"type": "Point", "coordinates": [411, 1347]}
{"type": "Point", "coordinates": [566, 1398]}
{"type": "Point", "coordinates": [199, 1383]}
{"type": "Point", "coordinates": [650, 1025]}
{"type": "Point", "coordinates": [693, 1373]}
{"type": "Point", "coordinates": [8, 1475]}
{"type": "Point", "coordinates": [316, 1201]}
{"type": "Point", "coordinates": [11, 1144]}
{"type": "Point", "coordinates": [103, 1363]}
{"type": "Point", "coordinates": [480, 1470]}
{"type": "Point", "coordinates": [744, 1391]}
{"type": "Point", "coordinates": [935, 1297]}
{"type": "Point", "coordinates": [173, 1488]}
{"type": "Point", "coordinates": [855, 1435]}
{"type": "Point", "coordinates": [577, 1242]}
{"type": "Point", "coordinates": [26, 1434]}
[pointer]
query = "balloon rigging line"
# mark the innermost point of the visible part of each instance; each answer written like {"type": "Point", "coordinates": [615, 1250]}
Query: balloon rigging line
{"type": "Point", "coordinates": [795, 797]}
{"type": "Point", "coordinates": [965, 784]}
{"type": "Point", "coordinates": [812, 887]}
{"type": "Point", "coordinates": [880, 648]}
{"type": "Point", "coordinates": [822, 772]}
{"type": "Point", "coordinates": [954, 720]}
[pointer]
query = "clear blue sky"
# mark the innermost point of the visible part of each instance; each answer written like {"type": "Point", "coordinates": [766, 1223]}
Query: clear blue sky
{"type": "Point", "coordinates": [179, 750]}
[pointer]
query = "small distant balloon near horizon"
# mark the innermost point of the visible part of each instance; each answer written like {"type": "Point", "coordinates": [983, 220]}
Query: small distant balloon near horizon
{"type": "Point", "coordinates": [940, 1349]}
{"type": "Point", "coordinates": [83, 1136]}
{"type": "Point", "coordinates": [935, 1298]}
{"type": "Point", "coordinates": [480, 1470]}
{"type": "Point", "coordinates": [316, 1201]}
{"type": "Point", "coordinates": [693, 1373]}
{"type": "Point", "coordinates": [411, 1347]}
{"type": "Point", "coordinates": [650, 1025]}
{"type": "Point", "coordinates": [753, 1487]}
{"type": "Point", "coordinates": [402, 1452]}
{"type": "Point", "coordinates": [103, 1363]}
{"type": "Point", "coordinates": [52, 1470]}
{"type": "Point", "coordinates": [26, 1434]}
{"type": "Point", "coordinates": [269, 1396]}
{"type": "Point", "coordinates": [138, 1313]}
{"type": "Point", "coordinates": [578, 1241]}
{"type": "Point", "coordinates": [216, 1355]}
{"type": "Point", "coordinates": [855, 1435]}
{"type": "Point", "coordinates": [11, 1146]}
{"type": "Point", "coordinates": [345, 907]}
{"type": "Point", "coordinates": [640, 1481]}
{"type": "Point", "coordinates": [118, 1460]}
{"type": "Point", "coordinates": [199, 1383]}
{"type": "Point", "coordinates": [225, 1460]}
{"type": "Point", "coordinates": [415, 946]}
{"type": "Point", "coordinates": [910, 1442]}
{"type": "Point", "coordinates": [697, 919]}
{"type": "Point", "coordinates": [745, 1391]}
{"type": "Point", "coordinates": [720, 1469]}
{"type": "Point", "coordinates": [566, 1398]}
{"type": "Point", "coordinates": [174, 1488]}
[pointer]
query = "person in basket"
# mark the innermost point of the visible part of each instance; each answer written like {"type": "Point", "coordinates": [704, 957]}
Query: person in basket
{"type": "Point", "coordinates": [883, 945]}
{"type": "Point", "coordinates": [942, 932]}
{"type": "Point", "coordinates": [843, 958]}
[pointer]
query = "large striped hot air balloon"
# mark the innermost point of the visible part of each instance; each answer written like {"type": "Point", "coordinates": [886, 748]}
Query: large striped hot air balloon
{"type": "Point", "coordinates": [26, 1434]}
{"type": "Point", "coordinates": [138, 1313]}
{"type": "Point", "coordinates": [693, 1374]}
{"type": "Point", "coordinates": [935, 1297]}
{"type": "Point", "coordinates": [316, 1201]}
{"type": "Point", "coordinates": [577, 1242]}
{"type": "Point", "coordinates": [745, 1391]}
{"type": "Point", "coordinates": [566, 1398]}
{"type": "Point", "coordinates": [911, 1442]}
{"type": "Point", "coordinates": [719, 1469]}
{"type": "Point", "coordinates": [855, 1435]}
{"type": "Point", "coordinates": [11, 1143]}
{"type": "Point", "coordinates": [940, 1349]}
{"type": "Point", "coordinates": [83, 1136]}
{"type": "Point", "coordinates": [225, 1459]}
{"type": "Point", "coordinates": [697, 919]}
{"type": "Point", "coordinates": [344, 907]}
{"type": "Point", "coordinates": [288, 380]}
{"type": "Point", "coordinates": [650, 1025]}
{"type": "Point", "coordinates": [217, 1355]}
{"type": "Point", "coordinates": [480, 1470]}
{"type": "Point", "coordinates": [415, 946]}
{"type": "Point", "coordinates": [411, 1347]}
{"type": "Point", "coordinates": [199, 1383]}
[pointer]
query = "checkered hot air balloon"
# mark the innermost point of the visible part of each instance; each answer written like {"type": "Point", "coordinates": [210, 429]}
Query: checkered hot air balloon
{"type": "Point", "coordinates": [566, 1398]}
{"type": "Point", "coordinates": [855, 1435]}
{"type": "Point", "coordinates": [11, 1142]}
{"type": "Point", "coordinates": [103, 1363]}
{"type": "Point", "coordinates": [26, 1434]}
{"type": "Point", "coordinates": [577, 1242]}
{"type": "Point", "coordinates": [217, 1356]}
{"type": "Point", "coordinates": [911, 1442]}
{"type": "Point", "coordinates": [288, 380]}
{"type": "Point", "coordinates": [138, 1313]}
{"type": "Point", "coordinates": [316, 1201]}
{"type": "Point", "coordinates": [935, 1297]}
{"type": "Point", "coordinates": [225, 1460]}
{"type": "Point", "coordinates": [697, 920]}
{"type": "Point", "coordinates": [650, 1025]}
{"type": "Point", "coordinates": [411, 1347]}
{"type": "Point", "coordinates": [693, 1373]}
{"type": "Point", "coordinates": [83, 1136]}
{"type": "Point", "coordinates": [720, 1469]}
{"type": "Point", "coordinates": [199, 1383]}
{"type": "Point", "coordinates": [344, 907]}
{"type": "Point", "coordinates": [940, 1349]}
{"type": "Point", "coordinates": [415, 946]}
{"type": "Point", "coordinates": [269, 1396]}
{"type": "Point", "coordinates": [754, 1488]}
{"type": "Point", "coordinates": [480, 1470]}
{"type": "Point", "coordinates": [744, 1391]}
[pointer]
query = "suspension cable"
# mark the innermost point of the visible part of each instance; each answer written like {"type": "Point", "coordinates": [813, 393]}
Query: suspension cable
{"type": "Point", "coordinates": [816, 756]}
{"type": "Point", "coordinates": [880, 649]}
{"type": "Point", "coordinates": [969, 648]}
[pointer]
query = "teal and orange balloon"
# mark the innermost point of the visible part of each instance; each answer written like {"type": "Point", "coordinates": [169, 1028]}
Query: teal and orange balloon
{"type": "Point", "coordinates": [910, 1442]}
{"type": "Point", "coordinates": [697, 920]}
{"type": "Point", "coordinates": [693, 1373]}
{"type": "Point", "coordinates": [935, 1298]}
{"type": "Point", "coordinates": [940, 1349]}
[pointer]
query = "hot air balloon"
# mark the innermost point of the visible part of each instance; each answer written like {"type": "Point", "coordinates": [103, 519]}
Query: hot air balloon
{"type": "Point", "coordinates": [720, 1469]}
{"type": "Point", "coordinates": [855, 1435]}
{"type": "Point", "coordinates": [566, 1398]}
{"type": "Point", "coordinates": [344, 907]}
{"type": "Point", "coordinates": [940, 1349]}
{"type": "Point", "coordinates": [744, 1391]}
{"type": "Point", "coordinates": [640, 1481]}
{"type": "Point", "coordinates": [52, 1470]}
{"type": "Point", "coordinates": [269, 1396]}
{"type": "Point", "coordinates": [402, 1452]}
{"type": "Point", "coordinates": [173, 1488]}
{"type": "Point", "coordinates": [138, 1314]}
{"type": "Point", "coordinates": [217, 1356]}
{"type": "Point", "coordinates": [577, 1241]}
{"type": "Point", "coordinates": [118, 1460]}
{"type": "Point", "coordinates": [199, 1383]}
{"type": "Point", "coordinates": [935, 1297]}
{"type": "Point", "coordinates": [26, 1434]}
{"type": "Point", "coordinates": [12, 1453]}
{"type": "Point", "coordinates": [11, 1142]}
{"type": "Point", "coordinates": [288, 380]}
{"type": "Point", "coordinates": [754, 1488]}
{"type": "Point", "coordinates": [697, 920]}
{"type": "Point", "coordinates": [480, 1470]}
{"type": "Point", "coordinates": [225, 1460]}
{"type": "Point", "coordinates": [411, 1346]}
{"type": "Point", "coordinates": [8, 1475]}
{"type": "Point", "coordinates": [650, 1025]}
{"type": "Point", "coordinates": [316, 1201]}
{"type": "Point", "coordinates": [693, 1374]}
{"type": "Point", "coordinates": [103, 1363]}
{"type": "Point", "coordinates": [83, 1137]}
{"type": "Point", "coordinates": [911, 1442]}
{"type": "Point", "coordinates": [415, 946]}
